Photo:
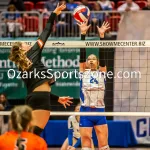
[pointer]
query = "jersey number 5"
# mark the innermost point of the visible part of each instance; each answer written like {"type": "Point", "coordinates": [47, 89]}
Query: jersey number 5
{"type": "Point", "coordinates": [22, 144]}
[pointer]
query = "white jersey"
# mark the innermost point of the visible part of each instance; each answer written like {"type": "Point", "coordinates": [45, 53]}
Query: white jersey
{"type": "Point", "coordinates": [74, 124]}
{"type": "Point", "coordinates": [92, 89]}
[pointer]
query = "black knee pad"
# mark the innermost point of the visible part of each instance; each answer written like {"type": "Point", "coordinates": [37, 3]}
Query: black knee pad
{"type": "Point", "coordinates": [37, 130]}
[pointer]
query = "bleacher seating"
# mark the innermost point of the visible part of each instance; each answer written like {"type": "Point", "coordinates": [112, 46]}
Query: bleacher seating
{"type": "Point", "coordinates": [120, 3]}
{"type": "Point", "coordinates": [114, 22]}
{"type": "Point", "coordinates": [29, 5]}
{"type": "Point", "coordinates": [39, 5]}
{"type": "Point", "coordinates": [77, 2]}
{"type": "Point", "coordinates": [92, 3]}
{"type": "Point", "coordinates": [31, 23]}
{"type": "Point", "coordinates": [45, 19]}
{"type": "Point", "coordinates": [3, 5]}
{"type": "Point", "coordinates": [141, 4]}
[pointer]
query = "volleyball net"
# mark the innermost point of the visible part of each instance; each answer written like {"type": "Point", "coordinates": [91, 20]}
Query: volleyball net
{"type": "Point", "coordinates": [127, 93]}
{"type": "Point", "coordinates": [127, 77]}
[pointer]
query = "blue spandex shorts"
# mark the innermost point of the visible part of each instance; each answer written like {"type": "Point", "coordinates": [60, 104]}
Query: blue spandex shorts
{"type": "Point", "coordinates": [91, 121]}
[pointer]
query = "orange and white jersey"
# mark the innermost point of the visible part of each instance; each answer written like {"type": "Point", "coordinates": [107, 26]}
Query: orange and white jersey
{"type": "Point", "coordinates": [29, 141]}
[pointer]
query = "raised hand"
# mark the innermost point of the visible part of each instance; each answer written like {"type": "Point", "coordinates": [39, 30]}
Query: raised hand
{"type": "Point", "coordinates": [83, 27]}
{"type": "Point", "coordinates": [105, 26]}
{"type": "Point", "coordinates": [59, 9]}
{"type": "Point", "coordinates": [66, 100]}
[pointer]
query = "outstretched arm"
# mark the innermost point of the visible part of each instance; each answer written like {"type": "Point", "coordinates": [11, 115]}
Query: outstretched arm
{"type": "Point", "coordinates": [48, 28]}
{"type": "Point", "coordinates": [35, 53]}
{"type": "Point", "coordinates": [46, 32]}
{"type": "Point", "coordinates": [83, 29]}
{"type": "Point", "coordinates": [102, 30]}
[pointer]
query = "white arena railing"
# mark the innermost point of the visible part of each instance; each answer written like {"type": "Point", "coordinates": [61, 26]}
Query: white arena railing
{"type": "Point", "coordinates": [65, 26]}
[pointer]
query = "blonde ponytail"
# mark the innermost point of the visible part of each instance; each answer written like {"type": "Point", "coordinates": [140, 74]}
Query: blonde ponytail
{"type": "Point", "coordinates": [18, 56]}
{"type": "Point", "coordinates": [19, 129]}
{"type": "Point", "coordinates": [21, 116]}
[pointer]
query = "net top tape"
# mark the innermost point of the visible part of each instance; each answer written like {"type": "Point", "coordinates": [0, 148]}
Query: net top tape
{"type": "Point", "coordinates": [85, 44]}
{"type": "Point", "coordinates": [60, 113]}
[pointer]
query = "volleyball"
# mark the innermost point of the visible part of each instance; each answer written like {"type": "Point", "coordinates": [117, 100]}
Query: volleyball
{"type": "Point", "coordinates": [81, 13]}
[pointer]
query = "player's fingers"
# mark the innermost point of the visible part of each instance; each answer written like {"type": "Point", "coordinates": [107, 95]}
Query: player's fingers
{"type": "Point", "coordinates": [78, 24]}
{"type": "Point", "coordinates": [58, 5]}
{"type": "Point", "coordinates": [107, 28]}
{"type": "Point", "coordinates": [107, 24]}
{"type": "Point", "coordinates": [89, 26]}
{"type": "Point", "coordinates": [103, 23]}
{"type": "Point", "coordinates": [64, 105]}
{"type": "Point", "coordinates": [69, 102]}
{"type": "Point", "coordinates": [70, 98]}
{"type": "Point", "coordinates": [86, 21]}
{"type": "Point", "coordinates": [64, 5]}
{"type": "Point", "coordinates": [97, 27]}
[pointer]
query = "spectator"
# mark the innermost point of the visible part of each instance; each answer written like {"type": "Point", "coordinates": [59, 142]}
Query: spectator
{"type": "Point", "coordinates": [63, 26]}
{"type": "Point", "coordinates": [18, 4]}
{"type": "Point", "coordinates": [129, 5]}
{"type": "Point", "coordinates": [12, 26]}
{"type": "Point", "coordinates": [148, 5]}
{"type": "Point", "coordinates": [63, 17]}
{"type": "Point", "coordinates": [50, 5]}
{"type": "Point", "coordinates": [96, 19]}
{"type": "Point", "coordinates": [105, 4]}
{"type": "Point", "coordinates": [34, 1]}
{"type": "Point", "coordinates": [71, 5]}
{"type": "Point", "coordinates": [4, 106]}
{"type": "Point", "coordinates": [85, 2]}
